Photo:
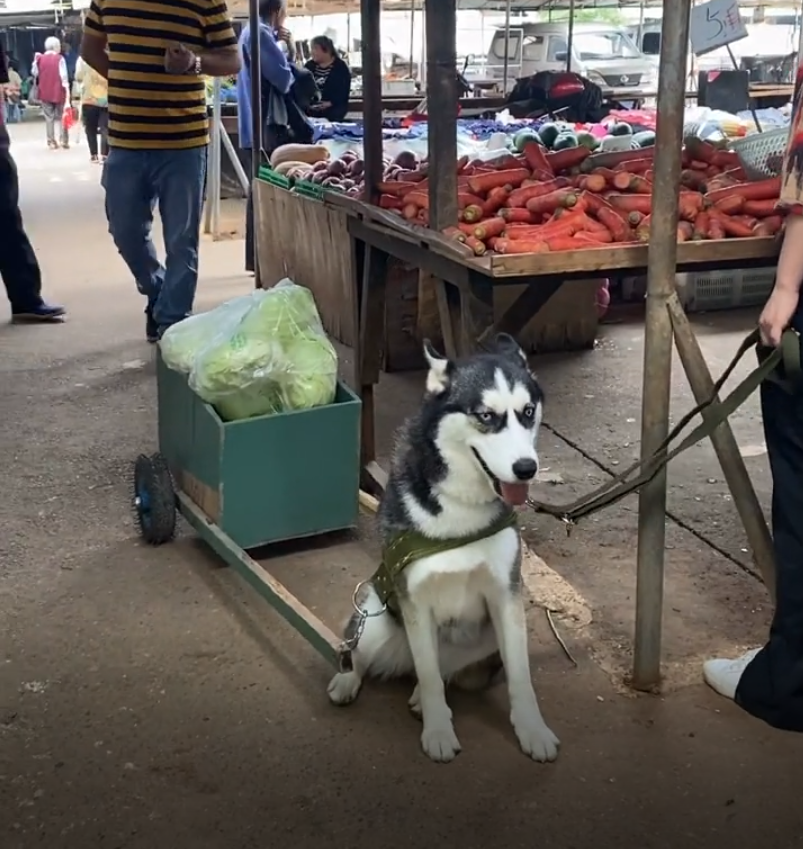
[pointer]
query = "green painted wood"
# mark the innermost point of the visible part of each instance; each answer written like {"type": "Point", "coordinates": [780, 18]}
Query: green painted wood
{"type": "Point", "coordinates": [299, 617]}
{"type": "Point", "coordinates": [278, 477]}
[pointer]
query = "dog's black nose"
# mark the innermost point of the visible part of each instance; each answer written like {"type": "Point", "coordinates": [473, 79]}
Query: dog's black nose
{"type": "Point", "coordinates": [525, 469]}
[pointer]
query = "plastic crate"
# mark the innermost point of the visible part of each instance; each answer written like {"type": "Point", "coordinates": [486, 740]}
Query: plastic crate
{"type": "Point", "coordinates": [722, 290]}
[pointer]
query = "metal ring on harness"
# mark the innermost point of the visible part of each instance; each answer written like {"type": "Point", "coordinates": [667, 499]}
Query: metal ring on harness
{"type": "Point", "coordinates": [357, 609]}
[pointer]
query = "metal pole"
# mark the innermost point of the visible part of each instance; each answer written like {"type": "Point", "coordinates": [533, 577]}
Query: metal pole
{"type": "Point", "coordinates": [570, 37]}
{"type": "Point", "coordinates": [506, 66]}
{"type": "Point", "coordinates": [661, 262]}
{"type": "Point", "coordinates": [232, 154]}
{"type": "Point", "coordinates": [216, 157]}
{"type": "Point", "coordinates": [412, 39]}
{"type": "Point", "coordinates": [256, 121]}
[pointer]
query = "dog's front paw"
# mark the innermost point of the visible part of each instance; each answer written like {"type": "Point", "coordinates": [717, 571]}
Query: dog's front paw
{"type": "Point", "coordinates": [344, 688]}
{"type": "Point", "coordinates": [440, 743]}
{"type": "Point", "coordinates": [536, 739]}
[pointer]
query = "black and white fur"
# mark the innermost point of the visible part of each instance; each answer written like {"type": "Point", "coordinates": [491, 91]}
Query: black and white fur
{"type": "Point", "coordinates": [476, 429]}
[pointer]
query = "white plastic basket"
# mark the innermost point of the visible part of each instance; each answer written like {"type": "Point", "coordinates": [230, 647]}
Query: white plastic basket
{"type": "Point", "coordinates": [707, 291]}
{"type": "Point", "coordinates": [761, 154]}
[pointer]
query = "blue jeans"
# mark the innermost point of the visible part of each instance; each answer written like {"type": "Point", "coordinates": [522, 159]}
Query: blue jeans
{"type": "Point", "coordinates": [13, 112]}
{"type": "Point", "coordinates": [135, 181]}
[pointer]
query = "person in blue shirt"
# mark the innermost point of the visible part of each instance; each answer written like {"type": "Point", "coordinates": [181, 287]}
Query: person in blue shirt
{"type": "Point", "coordinates": [277, 72]}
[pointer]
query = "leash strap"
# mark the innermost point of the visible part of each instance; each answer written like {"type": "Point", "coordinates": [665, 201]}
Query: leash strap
{"type": "Point", "coordinates": [781, 365]}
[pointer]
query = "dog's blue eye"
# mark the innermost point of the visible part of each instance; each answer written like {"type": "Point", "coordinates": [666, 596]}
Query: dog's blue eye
{"type": "Point", "coordinates": [528, 412]}
{"type": "Point", "coordinates": [485, 416]}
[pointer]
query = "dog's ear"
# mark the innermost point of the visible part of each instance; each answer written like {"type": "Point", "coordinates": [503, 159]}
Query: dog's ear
{"type": "Point", "coordinates": [439, 370]}
{"type": "Point", "coordinates": [506, 345]}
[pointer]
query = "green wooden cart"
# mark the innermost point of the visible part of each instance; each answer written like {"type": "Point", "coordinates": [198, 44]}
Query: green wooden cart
{"type": "Point", "coordinates": [246, 484]}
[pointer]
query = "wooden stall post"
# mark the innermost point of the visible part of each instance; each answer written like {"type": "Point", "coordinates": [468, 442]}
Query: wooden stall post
{"type": "Point", "coordinates": [662, 261]}
{"type": "Point", "coordinates": [441, 25]}
{"type": "Point", "coordinates": [372, 281]}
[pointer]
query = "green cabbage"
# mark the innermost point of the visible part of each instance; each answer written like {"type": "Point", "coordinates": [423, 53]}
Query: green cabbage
{"type": "Point", "coordinates": [276, 358]}
{"type": "Point", "coordinates": [182, 342]}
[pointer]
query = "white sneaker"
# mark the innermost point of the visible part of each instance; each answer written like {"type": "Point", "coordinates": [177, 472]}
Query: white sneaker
{"type": "Point", "coordinates": [723, 674]}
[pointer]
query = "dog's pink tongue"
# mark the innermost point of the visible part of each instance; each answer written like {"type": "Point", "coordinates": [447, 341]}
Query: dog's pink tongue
{"type": "Point", "coordinates": [514, 494]}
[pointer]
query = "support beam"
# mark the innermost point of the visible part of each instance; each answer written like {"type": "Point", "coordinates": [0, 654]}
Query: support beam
{"type": "Point", "coordinates": [370, 13]}
{"type": "Point", "coordinates": [256, 120]}
{"type": "Point", "coordinates": [441, 25]}
{"type": "Point", "coordinates": [662, 259]}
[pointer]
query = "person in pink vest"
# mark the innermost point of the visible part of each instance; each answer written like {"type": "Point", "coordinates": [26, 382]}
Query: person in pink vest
{"type": "Point", "coordinates": [53, 88]}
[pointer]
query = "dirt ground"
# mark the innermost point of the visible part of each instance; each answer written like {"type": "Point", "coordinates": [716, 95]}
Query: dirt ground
{"type": "Point", "coordinates": [149, 700]}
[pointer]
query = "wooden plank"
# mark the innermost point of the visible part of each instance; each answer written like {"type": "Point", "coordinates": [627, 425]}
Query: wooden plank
{"type": "Point", "coordinates": [476, 312]}
{"type": "Point", "coordinates": [370, 14]}
{"type": "Point", "coordinates": [516, 317]}
{"type": "Point", "coordinates": [440, 20]}
{"type": "Point", "coordinates": [718, 254]}
{"type": "Point", "coordinates": [303, 620]}
{"type": "Point", "coordinates": [325, 245]}
{"type": "Point", "coordinates": [428, 325]}
{"type": "Point", "coordinates": [449, 312]}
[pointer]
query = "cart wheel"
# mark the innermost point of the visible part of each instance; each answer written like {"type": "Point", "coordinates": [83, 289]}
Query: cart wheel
{"type": "Point", "coordinates": [154, 499]}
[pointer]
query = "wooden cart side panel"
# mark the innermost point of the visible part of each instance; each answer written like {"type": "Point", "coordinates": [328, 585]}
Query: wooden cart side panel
{"type": "Point", "coordinates": [292, 475]}
{"type": "Point", "coordinates": [308, 241]}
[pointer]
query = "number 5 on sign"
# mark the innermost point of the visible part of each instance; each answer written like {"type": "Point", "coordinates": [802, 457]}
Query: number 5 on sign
{"type": "Point", "coordinates": [715, 24]}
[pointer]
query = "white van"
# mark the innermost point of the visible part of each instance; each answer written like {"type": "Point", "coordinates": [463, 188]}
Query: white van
{"type": "Point", "coordinates": [604, 54]}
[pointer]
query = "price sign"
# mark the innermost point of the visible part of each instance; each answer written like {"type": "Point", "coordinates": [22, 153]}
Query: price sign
{"type": "Point", "coordinates": [715, 24]}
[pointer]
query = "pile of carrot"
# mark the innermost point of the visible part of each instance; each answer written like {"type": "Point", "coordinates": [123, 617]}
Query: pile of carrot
{"type": "Point", "coordinates": [540, 201]}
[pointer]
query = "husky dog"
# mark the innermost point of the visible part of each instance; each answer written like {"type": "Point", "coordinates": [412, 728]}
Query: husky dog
{"type": "Point", "coordinates": [461, 463]}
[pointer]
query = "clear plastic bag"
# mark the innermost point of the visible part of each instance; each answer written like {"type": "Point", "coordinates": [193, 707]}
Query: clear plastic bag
{"type": "Point", "coordinates": [277, 358]}
{"type": "Point", "coordinates": [183, 342]}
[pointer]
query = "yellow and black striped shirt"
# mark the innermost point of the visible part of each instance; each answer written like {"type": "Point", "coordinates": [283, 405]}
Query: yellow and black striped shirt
{"type": "Point", "coordinates": [150, 109]}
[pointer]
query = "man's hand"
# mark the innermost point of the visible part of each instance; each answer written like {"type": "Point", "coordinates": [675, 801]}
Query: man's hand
{"type": "Point", "coordinates": [178, 59]}
{"type": "Point", "coordinates": [777, 315]}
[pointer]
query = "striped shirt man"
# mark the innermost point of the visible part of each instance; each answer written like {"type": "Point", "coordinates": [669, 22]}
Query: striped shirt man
{"type": "Point", "coordinates": [150, 107]}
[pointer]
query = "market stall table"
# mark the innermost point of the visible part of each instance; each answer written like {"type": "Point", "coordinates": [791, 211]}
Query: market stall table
{"type": "Point", "coordinates": [465, 286]}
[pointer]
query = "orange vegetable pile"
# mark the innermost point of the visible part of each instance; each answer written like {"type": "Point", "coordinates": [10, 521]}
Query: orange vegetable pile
{"type": "Point", "coordinates": [540, 201]}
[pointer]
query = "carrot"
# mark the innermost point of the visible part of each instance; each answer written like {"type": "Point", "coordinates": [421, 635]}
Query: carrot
{"type": "Point", "coordinates": [519, 197]}
{"type": "Point", "coordinates": [760, 208]}
{"type": "Point", "coordinates": [465, 229]}
{"type": "Point", "coordinates": [726, 159]}
{"type": "Point", "coordinates": [462, 164]}
{"type": "Point", "coordinates": [506, 163]}
{"type": "Point", "coordinates": [481, 184]}
{"type": "Point", "coordinates": [643, 230]}
{"type": "Point", "coordinates": [393, 187]}
{"type": "Point", "coordinates": [715, 228]}
{"type": "Point", "coordinates": [410, 211]}
{"type": "Point", "coordinates": [598, 239]}
{"type": "Point", "coordinates": [730, 205]}
{"type": "Point", "coordinates": [635, 166]}
{"type": "Point", "coordinates": [420, 199]}
{"type": "Point", "coordinates": [465, 199]}
{"type": "Point", "coordinates": [534, 246]}
{"type": "Point", "coordinates": [621, 181]}
{"type": "Point", "coordinates": [697, 165]}
{"type": "Point", "coordinates": [454, 233]}
{"type": "Point", "coordinates": [767, 189]}
{"type": "Point", "coordinates": [476, 245]}
{"type": "Point", "coordinates": [612, 220]}
{"type": "Point", "coordinates": [731, 226]}
{"type": "Point", "coordinates": [701, 226]}
{"type": "Point", "coordinates": [685, 231]}
{"type": "Point", "coordinates": [423, 217]}
{"type": "Point", "coordinates": [596, 228]}
{"type": "Point", "coordinates": [692, 179]}
{"type": "Point", "coordinates": [535, 157]}
{"type": "Point", "coordinates": [516, 215]}
{"type": "Point", "coordinates": [563, 160]}
{"type": "Point", "coordinates": [595, 183]}
{"type": "Point", "coordinates": [768, 226]}
{"type": "Point", "coordinates": [632, 203]}
{"type": "Point", "coordinates": [689, 204]}
{"type": "Point", "coordinates": [550, 202]}
{"type": "Point", "coordinates": [490, 227]}
{"type": "Point", "coordinates": [390, 202]}
{"type": "Point", "coordinates": [472, 213]}
{"type": "Point", "coordinates": [414, 176]}
{"type": "Point", "coordinates": [496, 199]}
{"type": "Point", "coordinates": [702, 151]}
{"type": "Point", "coordinates": [564, 243]}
